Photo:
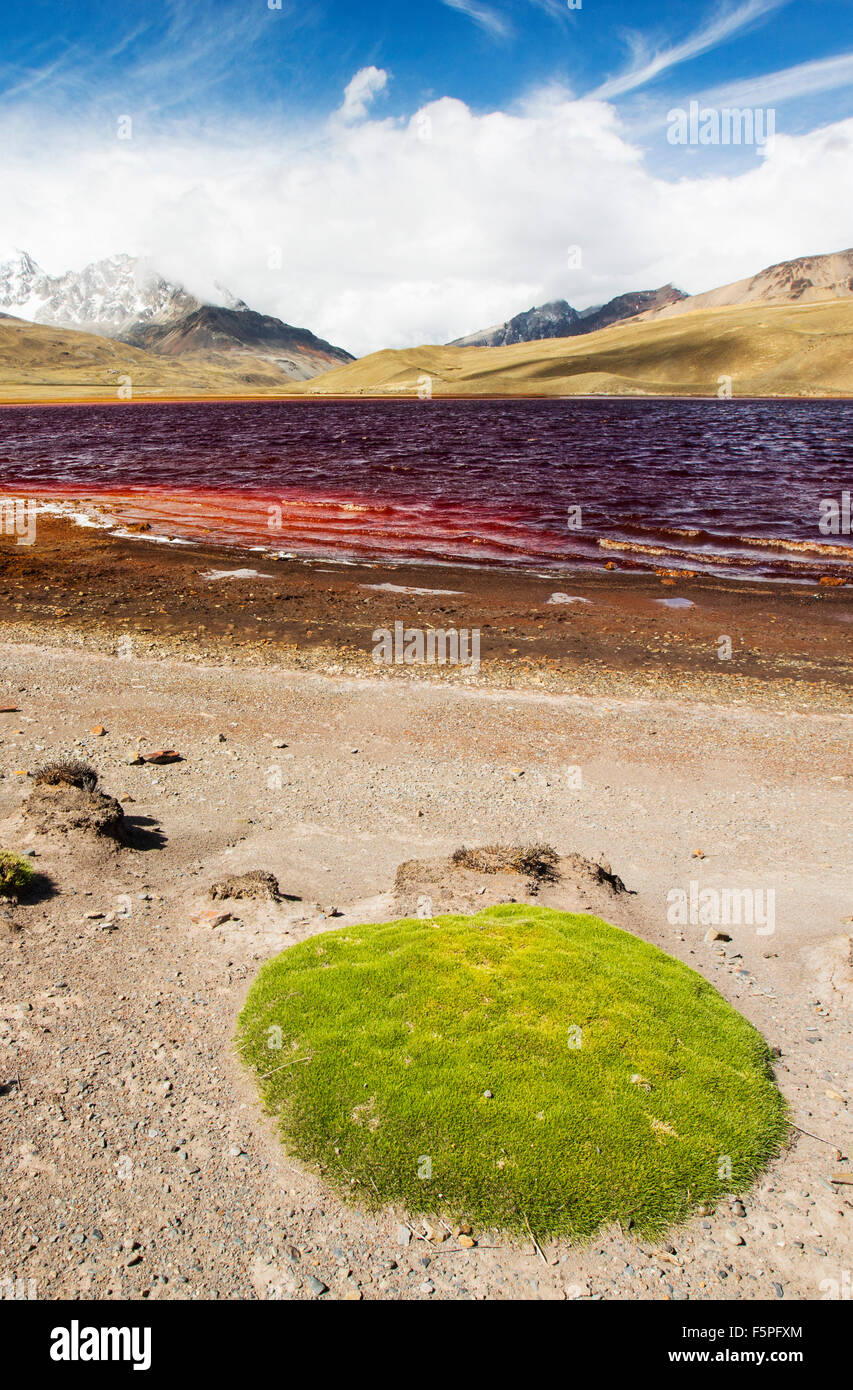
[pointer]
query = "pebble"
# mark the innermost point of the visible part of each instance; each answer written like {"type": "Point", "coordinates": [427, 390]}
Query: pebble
{"type": "Point", "coordinates": [209, 917]}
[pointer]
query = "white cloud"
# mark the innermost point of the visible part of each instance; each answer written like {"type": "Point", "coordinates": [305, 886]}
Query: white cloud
{"type": "Point", "coordinates": [179, 61]}
{"type": "Point", "coordinates": [361, 93]}
{"type": "Point", "coordinates": [386, 233]}
{"type": "Point", "coordinates": [718, 30]}
{"type": "Point", "coordinates": [557, 9]}
{"type": "Point", "coordinates": [487, 18]}
{"type": "Point", "coordinates": [822, 75]}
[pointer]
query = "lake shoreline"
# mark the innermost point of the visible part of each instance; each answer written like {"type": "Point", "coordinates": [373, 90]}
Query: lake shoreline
{"type": "Point", "coordinates": [331, 398]}
{"type": "Point", "coordinates": [591, 631]}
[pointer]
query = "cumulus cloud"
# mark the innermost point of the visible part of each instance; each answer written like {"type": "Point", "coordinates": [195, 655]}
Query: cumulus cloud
{"type": "Point", "coordinates": [391, 232]}
{"type": "Point", "coordinates": [361, 92]}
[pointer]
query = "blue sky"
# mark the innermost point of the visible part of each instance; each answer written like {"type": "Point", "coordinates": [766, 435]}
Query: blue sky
{"type": "Point", "coordinates": [195, 59]}
{"type": "Point", "coordinates": [548, 127]}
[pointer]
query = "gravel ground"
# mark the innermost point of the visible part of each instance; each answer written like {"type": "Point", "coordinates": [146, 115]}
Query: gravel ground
{"type": "Point", "coordinates": [136, 1161]}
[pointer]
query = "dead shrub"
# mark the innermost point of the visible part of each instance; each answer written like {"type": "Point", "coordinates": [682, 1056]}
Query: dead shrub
{"type": "Point", "coordinates": [67, 772]}
{"type": "Point", "coordinates": [537, 863]}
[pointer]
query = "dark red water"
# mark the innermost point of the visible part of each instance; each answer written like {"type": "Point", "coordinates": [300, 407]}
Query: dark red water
{"type": "Point", "coordinates": [729, 487]}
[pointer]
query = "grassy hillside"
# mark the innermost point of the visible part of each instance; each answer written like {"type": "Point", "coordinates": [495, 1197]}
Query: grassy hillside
{"type": "Point", "coordinates": [43, 363]}
{"type": "Point", "coordinates": [803, 350]}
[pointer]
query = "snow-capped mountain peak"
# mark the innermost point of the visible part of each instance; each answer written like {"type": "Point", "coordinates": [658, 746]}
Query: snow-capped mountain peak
{"type": "Point", "coordinates": [19, 277]}
{"type": "Point", "coordinates": [125, 297]}
{"type": "Point", "coordinates": [105, 297]}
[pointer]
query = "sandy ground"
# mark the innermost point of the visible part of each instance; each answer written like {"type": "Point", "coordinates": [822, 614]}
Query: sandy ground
{"type": "Point", "coordinates": [136, 1161]}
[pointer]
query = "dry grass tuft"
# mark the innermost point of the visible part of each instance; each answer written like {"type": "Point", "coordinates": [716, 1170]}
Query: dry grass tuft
{"type": "Point", "coordinates": [67, 772]}
{"type": "Point", "coordinates": [257, 883]}
{"type": "Point", "coordinates": [538, 863]}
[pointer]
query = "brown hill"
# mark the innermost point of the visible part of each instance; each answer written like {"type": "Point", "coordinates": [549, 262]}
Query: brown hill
{"type": "Point", "coordinates": [774, 350]}
{"type": "Point", "coordinates": [766, 350]}
{"type": "Point", "coordinates": [43, 363]}
{"type": "Point", "coordinates": [807, 280]}
{"type": "Point", "coordinates": [225, 335]}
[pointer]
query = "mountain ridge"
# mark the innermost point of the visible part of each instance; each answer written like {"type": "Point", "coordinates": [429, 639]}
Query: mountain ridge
{"type": "Point", "coordinates": [557, 319]}
{"type": "Point", "coordinates": [105, 297]}
{"type": "Point", "coordinates": [213, 330]}
{"type": "Point", "coordinates": [40, 362]}
{"type": "Point", "coordinates": [125, 298]}
{"type": "Point", "coordinates": [802, 280]}
{"type": "Point", "coordinates": [776, 350]}
{"type": "Point", "coordinates": [793, 336]}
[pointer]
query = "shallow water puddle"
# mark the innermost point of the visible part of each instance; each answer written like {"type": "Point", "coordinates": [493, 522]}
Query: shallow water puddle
{"type": "Point", "coordinates": [404, 589]}
{"type": "Point", "coordinates": [234, 574]}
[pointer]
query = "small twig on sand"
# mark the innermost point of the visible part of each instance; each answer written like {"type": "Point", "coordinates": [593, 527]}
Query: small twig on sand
{"type": "Point", "coordinates": [294, 1063]}
{"type": "Point", "coordinates": [808, 1132]}
{"type": "Point", "coordinates": [465, 1249]}
{"type": "Point", "coordinates": [536, 1245]}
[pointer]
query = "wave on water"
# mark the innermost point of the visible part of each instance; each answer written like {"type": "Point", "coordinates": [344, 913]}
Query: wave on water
{"type": "Point", "coordinates": [555, 485]}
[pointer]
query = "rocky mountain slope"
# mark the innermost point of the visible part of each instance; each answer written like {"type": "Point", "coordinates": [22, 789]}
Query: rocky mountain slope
{"type": "Point", "coordinates": [807, 280]}
{"type": "Point", "coordinates": [559, 320]}
{"type": "Point", "coordinates": [555, 320]}
{"type": "Point", "coordinates": [627, 306]}
{"type": "Point", "coordinates": [123, 297]}
{"type": "Point", "coordinates": [222, 334]}
{"type": "Point", "coordinates": [107, 297]}
{"type": "Point", "coordinates": [787, 331]}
